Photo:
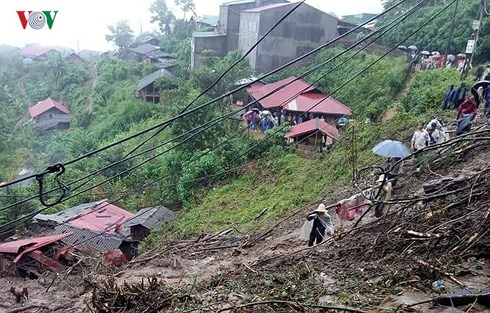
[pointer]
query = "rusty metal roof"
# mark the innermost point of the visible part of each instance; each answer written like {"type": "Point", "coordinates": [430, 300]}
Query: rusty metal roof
{"type": "Point", "coordinates": [66, 215]}
{"type": "Point", "coordinates": [47, 105]}
{"type": "Point", "coordinates": [311, 126]}
{"type": "Point", "coordinates": [24, 246]}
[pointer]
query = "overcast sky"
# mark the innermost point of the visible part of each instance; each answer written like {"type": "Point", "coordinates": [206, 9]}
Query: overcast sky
{"type": "Point", "coordinates": [83, 23]}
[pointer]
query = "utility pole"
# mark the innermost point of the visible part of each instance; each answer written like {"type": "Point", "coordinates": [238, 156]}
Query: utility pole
{"type": "Point", "coordinates": [472, 43]}
{"type": "Point", "coordinates": [451, 32]}
{"type": "Point", "coordinates": [477, 28]}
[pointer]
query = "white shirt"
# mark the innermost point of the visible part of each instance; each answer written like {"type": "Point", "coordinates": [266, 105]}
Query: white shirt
{"type": "Point", "coordinates": [419, 139]}
{"type": "Point", "coordinates": [438, 136]}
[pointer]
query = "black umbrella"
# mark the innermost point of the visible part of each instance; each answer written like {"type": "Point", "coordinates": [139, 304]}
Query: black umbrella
{"type": "Point", "coordinates": [474, 89]}
{"type": "Point", "coordinates": [483, 83]}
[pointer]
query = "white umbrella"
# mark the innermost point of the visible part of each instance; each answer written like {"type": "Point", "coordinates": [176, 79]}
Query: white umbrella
{"type": "Point", "coordinates": [391, 149]}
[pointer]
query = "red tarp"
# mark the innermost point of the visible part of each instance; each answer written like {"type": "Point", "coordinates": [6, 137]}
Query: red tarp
{"type": "Point", "coordinates": [312, 126]}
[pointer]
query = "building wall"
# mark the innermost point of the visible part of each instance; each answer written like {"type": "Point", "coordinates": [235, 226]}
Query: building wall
{"type": "Point", "coordinates": [200, 43]}
{"type": "Point", "coordinates": [251, 23]}
{"type": "Point", "coordinates": [301, 32]}
{"type": "Point", "coordinates": [52, 118]}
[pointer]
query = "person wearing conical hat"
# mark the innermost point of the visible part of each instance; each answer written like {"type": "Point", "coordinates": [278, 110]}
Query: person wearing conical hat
{"type": "Point", "coordinates": [321, 221]}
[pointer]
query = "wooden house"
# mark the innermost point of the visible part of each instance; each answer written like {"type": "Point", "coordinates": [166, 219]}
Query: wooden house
{"type": "Point", "coordinates": [50, 115]}
{"type": "Point", "coordinates": [146, 89]}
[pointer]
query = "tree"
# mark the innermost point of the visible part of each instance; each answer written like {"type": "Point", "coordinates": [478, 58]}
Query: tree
{"type": "Point", "coordinates": [121, 34]}
{"type": "Point", "coordinates": [57, 67]}
{"type": "Point", "coordinates": [186, 6]}
{"type": "Point", "coordinates": [162, 15]}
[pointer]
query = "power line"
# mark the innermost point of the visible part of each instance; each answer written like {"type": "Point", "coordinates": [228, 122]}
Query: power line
{"type": "Point", "coordinates": [361, 72]}
{"type": "Point", "coordinates": [52, 169]}
{"type": "Point", "coordinates": [317, 67]}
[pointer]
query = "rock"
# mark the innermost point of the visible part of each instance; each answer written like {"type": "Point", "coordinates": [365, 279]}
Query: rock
{"type": "Point", "coordinates": [326, 300]}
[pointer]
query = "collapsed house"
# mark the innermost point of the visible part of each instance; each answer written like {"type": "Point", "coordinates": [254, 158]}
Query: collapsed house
{"type": "Point", "coordinates": [32, 256]}
{"type": "Point", "coordinates": [103, 227]}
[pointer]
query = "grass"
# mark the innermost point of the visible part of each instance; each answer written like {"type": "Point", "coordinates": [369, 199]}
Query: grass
{"type": "Point", "coordinates": [283, 182]}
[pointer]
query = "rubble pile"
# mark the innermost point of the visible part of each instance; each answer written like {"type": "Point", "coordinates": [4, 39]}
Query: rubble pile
{"type": "Point", "coordinates": [111, 297]}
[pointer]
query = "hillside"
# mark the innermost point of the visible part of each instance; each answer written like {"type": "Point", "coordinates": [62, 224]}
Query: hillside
{"type": "Point", "coordinates": [239, 198]}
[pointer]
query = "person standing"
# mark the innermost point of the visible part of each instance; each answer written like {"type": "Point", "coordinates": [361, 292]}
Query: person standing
{"type": "Point", "coordinates": [479, 73]}
{"type": "Point", "coordinates": [435, 135]}
{"type": "Point", "coordinates": [486, 74]}
{"type": "Point", "coordinates": [321, 221]}
{"type": "Point", "coordinates": [468, 109]}
{"type": "Point", "coordinates": [395, 170]}
{"type": "Point", "coordinates": [449, 98]}
{"type": "Point", "coordinates": [420, 138]}
{"type": "Point", "coordinates": [486, 96]}
{"type": "Point", "coordinates": [382, 207]}
{"type": "Point", "coordinates": [460, 96]}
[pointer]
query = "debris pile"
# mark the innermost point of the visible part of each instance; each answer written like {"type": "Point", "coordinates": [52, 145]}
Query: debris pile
{"type": "Point", "coordinates": [151, 296]}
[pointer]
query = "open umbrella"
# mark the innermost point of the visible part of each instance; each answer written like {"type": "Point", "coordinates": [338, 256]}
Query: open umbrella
{"type": "Point", "coordinates": [461, 56]}
{"type": "Point", "coordinates": [266, 112]}
{"type": "Point", "coordinates": [403, 48]}
{"type": "Point", "coordinates": [413, 48]}
{"type": "Point", "coordinates": [247, 113]}
{"type": "Point", "coordinates": [483, 83]}
{"type": "Point", "coordinates": [451, 57]}
{"type": "Point", "coordinates": [391, 149]}
{"type": "Point", "coordinates": [425, 52]}
{"type": "Point", "coordinates": [435, 53]}
{"type": "Point", "coordinates": [256, 110]}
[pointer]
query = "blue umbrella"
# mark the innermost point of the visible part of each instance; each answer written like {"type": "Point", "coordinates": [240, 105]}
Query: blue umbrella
{"type": "Point", "coordinates": [391, 149]}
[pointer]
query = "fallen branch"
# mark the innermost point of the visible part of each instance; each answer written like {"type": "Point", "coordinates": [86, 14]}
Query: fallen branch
{"type": "Point", "coordinates": [26, 308]}
{"type": "Point", "coordinates": [448, 275]}
{"type": "Point", "coordinates": [298, 306]}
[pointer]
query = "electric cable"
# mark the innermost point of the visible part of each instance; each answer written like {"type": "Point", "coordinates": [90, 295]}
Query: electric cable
{"type": "Point", "coordinates": [54, 168]}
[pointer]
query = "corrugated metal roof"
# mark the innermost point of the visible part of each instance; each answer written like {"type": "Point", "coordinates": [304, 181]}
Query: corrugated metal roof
{"type": "Point", "coordinates": [146, 81]}
{"type": "Point", "coordinates": [35, 50]}
{"type": "Point", "coordinates": [85, 238]}
{"type": "Point", "coordinates": [207, 34]}
{"type": "Point", "coordinates": [37, 242]}
{"type": "Point", "coordinates": [276, 99]}
{"type": "Point", "coordinates": [238, 2]}
{"type": "Point", "coordinates": [210, 20]}
{"type": "Point", "coordinates": [46, 105]}
{"type": "Point", "coordinates": [146, 39]}
{"type": "Point", "coordinates": [151, 217]}
{"type": "Point", "coordinates": [267, 7]}
{"type": "Point", "coordinates": [104, 217]}
{"type": "Point", "coordinates": [65, 216]}
{"type": "Point", "coordinates": [311, 126]}
{"type": "Point", "coordinates": [144, 49]}
{"type": "Point", "coordinates": [318, 103]}
{"type": "Point", "coordinates": [158, 54]}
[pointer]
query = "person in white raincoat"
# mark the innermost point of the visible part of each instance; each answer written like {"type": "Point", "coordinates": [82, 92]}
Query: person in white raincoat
{"type": "Point", "coordinates": [318, 223]}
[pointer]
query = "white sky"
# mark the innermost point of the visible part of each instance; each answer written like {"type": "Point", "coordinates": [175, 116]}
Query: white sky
{"type": "Point", "coordinates": [85, 21]}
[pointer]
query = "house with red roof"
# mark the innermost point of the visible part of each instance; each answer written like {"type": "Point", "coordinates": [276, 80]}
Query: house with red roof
{"type": "Point", "coordinates": [297, 97]}
{"type": "Point", "coordinates": [35, 52]}
{"type": "Point", "coordinates": [50, 115]}
{"type": "Point", "coordinates": [28, 257]}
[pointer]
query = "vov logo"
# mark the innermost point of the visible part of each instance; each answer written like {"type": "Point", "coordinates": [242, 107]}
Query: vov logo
{"type": "Point", "coordinates": [37, 19]}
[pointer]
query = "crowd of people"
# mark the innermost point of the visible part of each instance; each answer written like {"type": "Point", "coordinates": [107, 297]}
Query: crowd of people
{"type": "Point", "coordinates": [265, 120]}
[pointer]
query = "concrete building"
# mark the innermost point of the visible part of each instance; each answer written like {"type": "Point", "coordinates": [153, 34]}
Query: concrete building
{"type": "Point", "coordinates": [243, 23]}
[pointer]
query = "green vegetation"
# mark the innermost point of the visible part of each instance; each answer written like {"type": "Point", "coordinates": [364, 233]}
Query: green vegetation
{"type": "Point", "coordinates": [434, 36]}
{"type": "Point", "coordinates": [218, 187]}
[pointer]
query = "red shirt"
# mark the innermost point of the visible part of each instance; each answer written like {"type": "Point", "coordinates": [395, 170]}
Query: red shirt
{"type": "Point", "coordinates": [468, 107]}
